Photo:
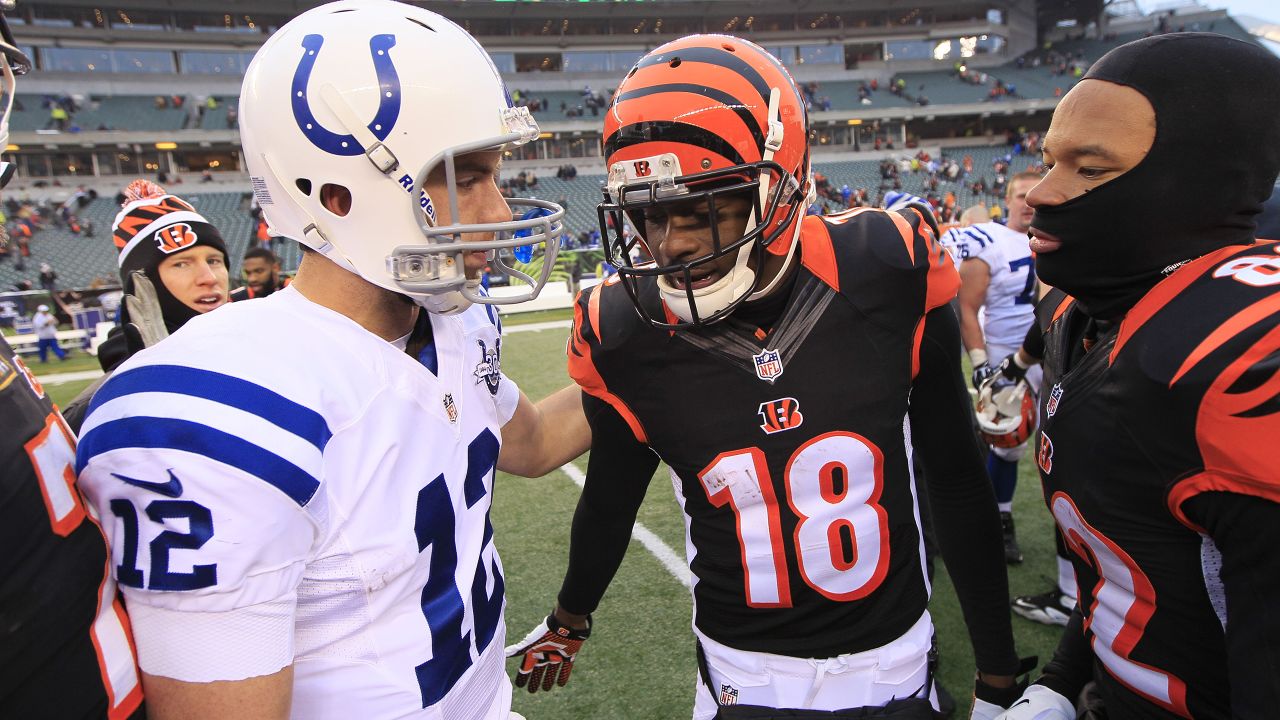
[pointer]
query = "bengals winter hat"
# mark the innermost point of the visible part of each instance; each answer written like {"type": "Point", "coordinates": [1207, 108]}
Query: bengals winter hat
{"type": "Point", "coordinates": [150, 227]}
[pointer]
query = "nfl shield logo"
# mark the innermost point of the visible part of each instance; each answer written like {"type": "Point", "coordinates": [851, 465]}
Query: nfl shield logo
{"type": "Point", "coordinates": [768, 365]}
{"type": "Point", "coordinates": [450, 408]}
{"type": "Point", "coordinates": [1055, 395]}
{"type": "Point", "coordinates": [728, 695]}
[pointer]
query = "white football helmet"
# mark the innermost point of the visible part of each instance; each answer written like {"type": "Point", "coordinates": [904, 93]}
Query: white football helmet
{"type": "Point", "coordinates": [372, 95]}
{"type": "Point", "coordinates": [1006, 411]}
{"type": "Point", "coordinates": [15, 62]}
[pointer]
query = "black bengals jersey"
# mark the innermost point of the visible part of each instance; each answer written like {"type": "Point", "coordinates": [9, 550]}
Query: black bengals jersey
{"type": "Point", "coordinates": [65, 644]}
{"type": "Point", "coordinates": [1147, 426]}
{"type": "Point", "coordinates": [789, 444]}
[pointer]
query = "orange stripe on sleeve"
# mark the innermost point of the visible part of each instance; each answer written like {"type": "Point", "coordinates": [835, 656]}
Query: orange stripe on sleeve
{"type": "Point", "coordinates": [916, 340]}
{"type": "Point", "coordinates": [1235, 324]}
{"type": "Point", "coordinates": [1160, 295]}
{"type": "Point", "coordinates": [907, 232]}
{"type": "Point", "coordinates": [582, 367]}
{"type": "Point", "coordinates": [818, 253]}
{"type": "Point", "coordinates": [1216, 482]}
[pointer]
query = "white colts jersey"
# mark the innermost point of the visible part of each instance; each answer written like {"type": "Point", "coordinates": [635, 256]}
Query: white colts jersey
{"type": "Point", "coordinates": [1009, 308]}
{"type": "Point", "coordinates": [279, 486]}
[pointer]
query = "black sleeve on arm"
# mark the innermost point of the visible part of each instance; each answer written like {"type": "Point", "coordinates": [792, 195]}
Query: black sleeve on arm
{"type": "Point", "coordinates": [1246, 531]}
{"type": "Point", "coordinates": [618, 474]}
{"type": "Point", "coordinates": [1072, 665]}
{"type": "Point", "coordinates": [964, 505]}
{"type": "Point", "coordinates": [1033, 343]}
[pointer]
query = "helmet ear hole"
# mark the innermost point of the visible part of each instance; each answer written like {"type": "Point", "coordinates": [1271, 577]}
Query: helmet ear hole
{"type": "Point", "coordinates": [336, 199]}
{"type": "Point", "coordinates": [304, 186]}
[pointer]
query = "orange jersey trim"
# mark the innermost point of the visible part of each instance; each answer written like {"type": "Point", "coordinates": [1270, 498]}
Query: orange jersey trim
{"type": "Point", "coordinates": [1234, 325]}
{"type": "Point", "coordinates": [916, 341]}
{"type": "Point", "coordinates": [583, 369]}
{"type": "Point", "coordinates": [1162, 294]}
{"type": "Point", "coordinates": [818, 252]}
{"type": "Point", "coordinates": [1210, 481]}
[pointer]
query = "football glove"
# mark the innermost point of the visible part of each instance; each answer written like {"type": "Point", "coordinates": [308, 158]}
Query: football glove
{"type": "Point", "coordinates": [1009, 372]}
{"type": "Point", "coordinates": [1039, 703]}
{"type": "Point", "coordinates": [146, 320]}
{"type": "Point", "coordinates": [981, 373]}
{"type": "Point", "coordinates": [990, 701]}
{"type": "Point", "coordinates": [547, 654]}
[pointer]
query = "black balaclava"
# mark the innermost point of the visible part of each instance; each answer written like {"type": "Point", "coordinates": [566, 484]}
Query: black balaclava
{"type": "Point", "coordinates": [152, 226]}
{"type": "Point", "coordinates": [1213, 162]}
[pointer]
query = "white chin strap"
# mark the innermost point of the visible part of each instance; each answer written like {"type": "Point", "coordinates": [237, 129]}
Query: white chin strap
{"type": "Point", "coordinates": [715, 297]}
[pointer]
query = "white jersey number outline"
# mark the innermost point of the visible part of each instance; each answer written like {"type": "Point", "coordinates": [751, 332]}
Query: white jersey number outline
{"type": "Point", "coordinates": [53, 453]}
{"type": "Point", "coordinates": [1124, 601]}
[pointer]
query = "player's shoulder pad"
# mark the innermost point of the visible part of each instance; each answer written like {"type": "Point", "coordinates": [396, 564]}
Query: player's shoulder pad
{"type": "Point", "coordinates": [604, 315]}
{"type": "Point", "coordinates": [887, 249]}
{"type": "Point", "coordinates": [1207, 316]}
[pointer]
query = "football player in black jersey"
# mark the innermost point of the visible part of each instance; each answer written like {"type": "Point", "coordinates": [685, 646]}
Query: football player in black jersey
{"type": "Point", "coordinates": [1162, 403]}
{"type": "Point", "coordinates": [65, 644]}
{"type": "Point", "coordinates": [783, 366]}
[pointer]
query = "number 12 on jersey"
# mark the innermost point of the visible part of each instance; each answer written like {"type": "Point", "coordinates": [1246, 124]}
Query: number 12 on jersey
{"type": "Point", "coordinates": [833, 484]}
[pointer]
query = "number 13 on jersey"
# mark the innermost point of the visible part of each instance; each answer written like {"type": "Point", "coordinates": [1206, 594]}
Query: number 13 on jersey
{"type": "Point", "coordinates": [833, 484]}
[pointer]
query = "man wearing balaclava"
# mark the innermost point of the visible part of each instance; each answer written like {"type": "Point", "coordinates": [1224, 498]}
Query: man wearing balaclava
{"type": "Point", "coordinates": [173, 267]}
{"type": "Point", "coordinates": [1161, 407]}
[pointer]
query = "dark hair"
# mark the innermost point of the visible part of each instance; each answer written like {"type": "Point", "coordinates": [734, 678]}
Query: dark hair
{"type": "Point", "coordinates": [261, 252]}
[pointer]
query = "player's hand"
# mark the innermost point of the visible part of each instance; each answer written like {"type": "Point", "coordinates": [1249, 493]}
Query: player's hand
{"type": "Point", "coordinates": [989, 701]}
{"type": "Point", "coordinates": [1039, 703]}
{"type": "Point", "coordinates": [547, 653]}
{"type": "Point", "coordinates": [1010, 370]}
{"type": "Point", "coordinates": [146, 320]}
{"type": "Point", "coordinates": [981, 373]}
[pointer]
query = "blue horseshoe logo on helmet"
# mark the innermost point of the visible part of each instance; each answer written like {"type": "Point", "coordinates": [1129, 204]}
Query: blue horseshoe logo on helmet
{"type": "Point", "coordinates": [388, 105]}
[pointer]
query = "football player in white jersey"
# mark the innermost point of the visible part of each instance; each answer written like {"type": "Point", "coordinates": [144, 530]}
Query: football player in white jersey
{"type": "Point", "coordinates": [997, 305]}
{"type": "Point", "coordinates": [296, 492]}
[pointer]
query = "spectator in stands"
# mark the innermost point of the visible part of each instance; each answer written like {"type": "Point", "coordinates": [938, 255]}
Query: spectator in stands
{"type": "Point", "coordinates": [173, 267]}
{"type": "Point", "coordinates": [162, 102]}
{"type": "Point", "coordinates": [48, 278]}
{"type": "Point", "coordinates": [46, 327]}
{"type": "Point", "coordinates": [59, 118]}
{"type": "Point", "coordinates": [233, 118]}
{"type": "Point", "coordinates": [261, 271]}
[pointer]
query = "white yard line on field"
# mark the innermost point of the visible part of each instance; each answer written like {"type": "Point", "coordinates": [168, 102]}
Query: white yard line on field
{"type": "Point", "coordinates": [660, 550]}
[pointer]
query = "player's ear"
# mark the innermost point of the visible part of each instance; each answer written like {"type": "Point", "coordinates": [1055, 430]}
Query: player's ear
{"type": "Point", "coordinates": [336, 199]}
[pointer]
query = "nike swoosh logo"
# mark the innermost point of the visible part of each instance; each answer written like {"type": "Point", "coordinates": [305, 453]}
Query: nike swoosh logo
{"type": "Point", "coordinates": [172, 488]}
{"type": "Point", "coordinates": [1024, 701]}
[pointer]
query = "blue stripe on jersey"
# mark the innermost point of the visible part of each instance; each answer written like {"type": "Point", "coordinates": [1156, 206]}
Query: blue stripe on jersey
{"type": "Point", "coordinates": [224, 389]}
{"type": "Point", "coordinates": [972, 230]}
{"type": "Point", "coordinates": [187, 436]}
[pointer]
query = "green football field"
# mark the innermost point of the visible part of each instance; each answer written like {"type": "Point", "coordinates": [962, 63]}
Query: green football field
{"type": "Point", "coordinates": [639, 661]}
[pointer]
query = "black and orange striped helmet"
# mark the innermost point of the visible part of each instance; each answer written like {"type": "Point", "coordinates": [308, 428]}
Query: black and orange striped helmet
{"type": "Point", "coordinates": [701, 117]}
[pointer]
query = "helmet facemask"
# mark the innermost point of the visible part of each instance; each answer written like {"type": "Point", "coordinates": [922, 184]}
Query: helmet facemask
{"type": "Point", "coordinates": [771, 217]}
{"type": "Point", "coordinates": [15, 62]}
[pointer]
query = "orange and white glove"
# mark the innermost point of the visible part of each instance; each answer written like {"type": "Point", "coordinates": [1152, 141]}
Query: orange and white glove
{"type": "Point", "coordinates": [547, 653]}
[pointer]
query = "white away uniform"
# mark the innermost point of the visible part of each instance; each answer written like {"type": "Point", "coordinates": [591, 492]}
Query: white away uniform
{"type": "Point", "coordinates": [1009, 307]}
{"type": "Point", "coordinates": [278, 485]}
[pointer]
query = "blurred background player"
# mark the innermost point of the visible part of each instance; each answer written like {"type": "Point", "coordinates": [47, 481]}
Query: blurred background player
{"type": "Point", "coordinates": [745, 369]}
{"type": "Point", "coordinates": [1156, 445]}
{"type": "Point", "coordinates": [997, 305]}
{"type": "Point", "coordinates": [64, 639]}
{"type": "Point", "coordinates": [299, 487]}
{"type": "Point", "coordinates": [260, 269]}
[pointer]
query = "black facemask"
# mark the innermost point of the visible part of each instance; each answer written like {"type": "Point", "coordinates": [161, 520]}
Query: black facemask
{"type": "Point", "coordinates": [1213, 162]}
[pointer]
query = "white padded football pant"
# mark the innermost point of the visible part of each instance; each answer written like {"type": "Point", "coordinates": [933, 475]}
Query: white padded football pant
{"type": "Point", "coordinates": [870, 678]}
